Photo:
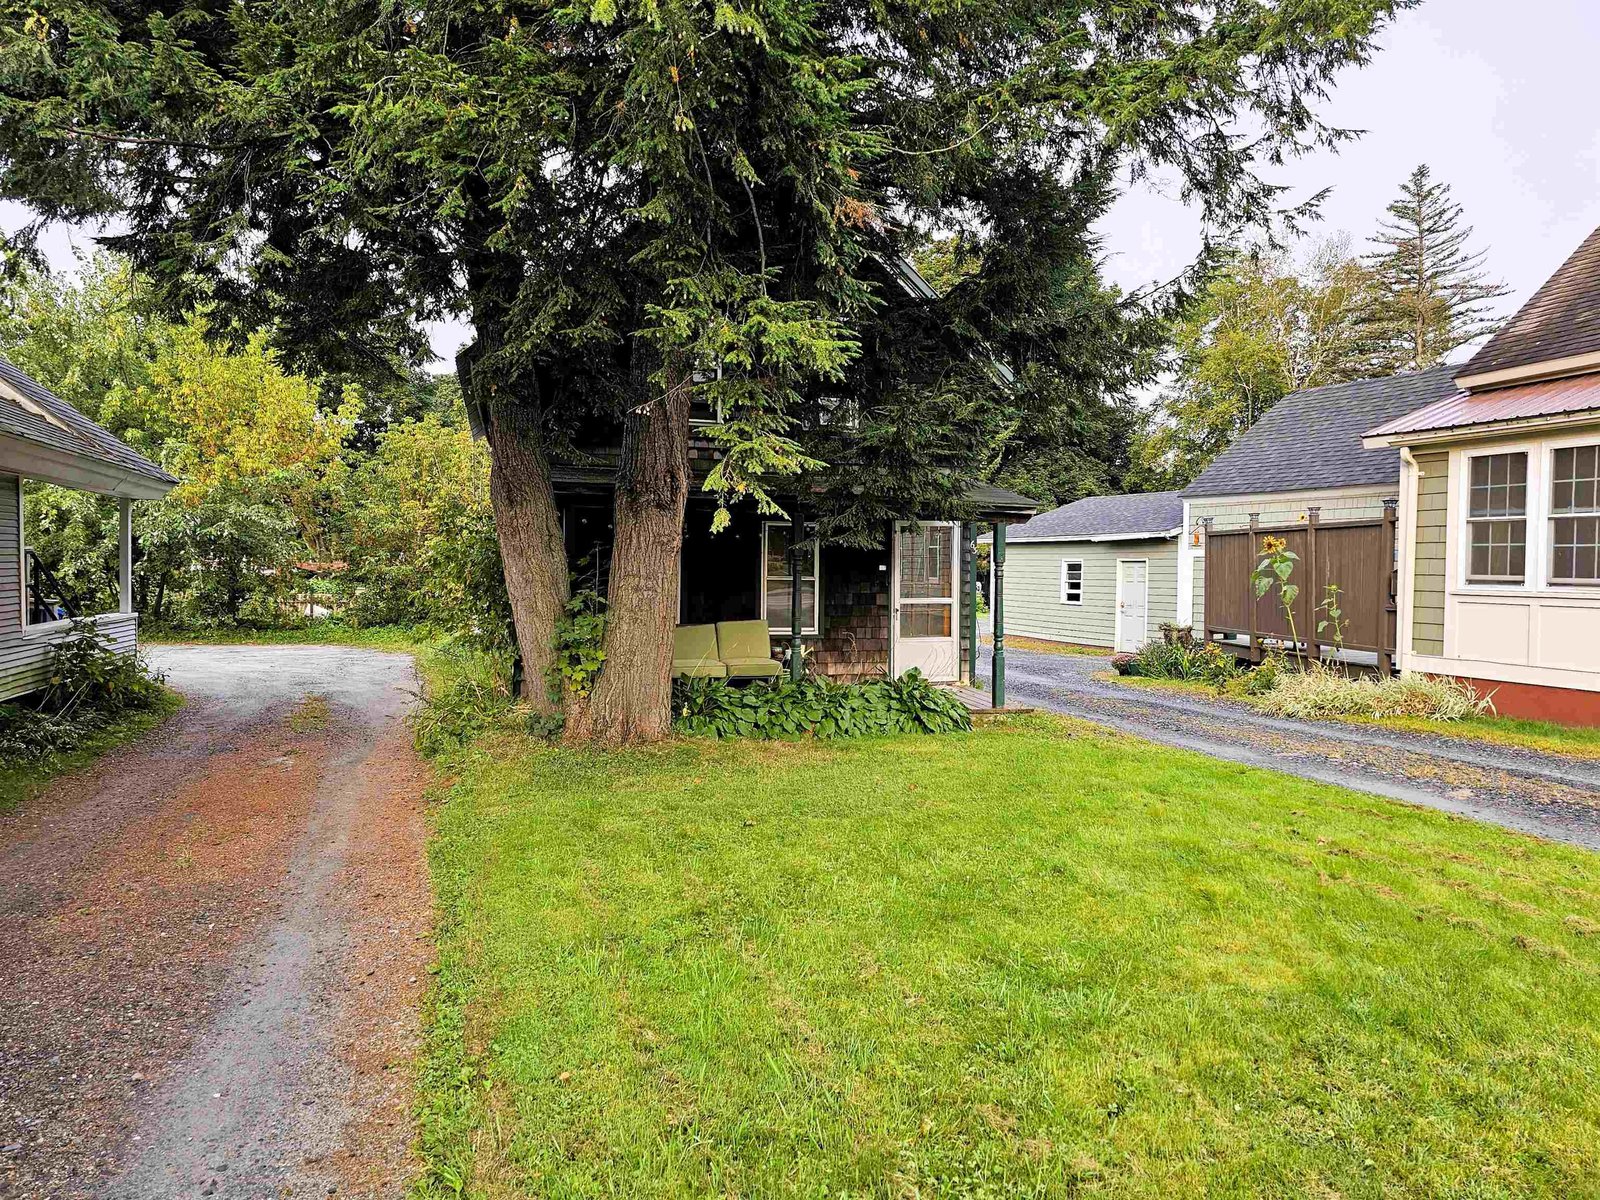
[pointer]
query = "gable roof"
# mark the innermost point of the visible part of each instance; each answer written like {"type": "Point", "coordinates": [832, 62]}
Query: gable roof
{"type": "Point", "coordinates": [33, 413]}
{"type": "Point", "coordinates": [1560, 321]}
{"type": "Point", "coordinates": [1311, 439]}
{"type": "Point", "coordinates": [1106, 518]}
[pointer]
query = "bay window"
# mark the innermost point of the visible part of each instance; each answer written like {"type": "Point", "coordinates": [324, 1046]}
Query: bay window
{"type": "Point", "coordinates": [1575, 515]}
{"type": "Point", "coordinates": [1497, 518]}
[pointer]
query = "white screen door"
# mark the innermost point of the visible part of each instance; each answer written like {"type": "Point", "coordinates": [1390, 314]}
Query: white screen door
{"type": "Point", "coordinates": [1133, 602]}
{"type": "Point", "coordinates": [925, 624]}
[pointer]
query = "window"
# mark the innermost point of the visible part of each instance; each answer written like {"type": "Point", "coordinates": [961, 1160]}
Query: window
{"type": "Point", "coordinates": [777, 585]}
{"type": "Point", "coordinates": [1575, 515]}
{"type": "Point", "coordinates": [1071, 581]}
{"type": "Point", "coordinates": [1497, 519]}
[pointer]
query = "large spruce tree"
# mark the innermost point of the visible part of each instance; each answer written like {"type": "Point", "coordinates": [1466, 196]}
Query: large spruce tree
{"type": "Point", "coordinates": [1432, 294]}
{"type": "Point", "coordinates": [636, 201]}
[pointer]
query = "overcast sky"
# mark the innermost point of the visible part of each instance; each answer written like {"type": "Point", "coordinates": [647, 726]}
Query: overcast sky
{"type": "Point", "coordinates": [1496, 97]}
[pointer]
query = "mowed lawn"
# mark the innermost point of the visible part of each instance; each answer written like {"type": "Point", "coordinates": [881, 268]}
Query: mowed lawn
{"type": "Point", "coordinates": [1030, 960]}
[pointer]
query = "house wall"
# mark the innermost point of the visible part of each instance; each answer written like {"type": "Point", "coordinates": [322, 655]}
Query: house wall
{"type": "Point", "coordinates": [1033, 589]}
{"type": "Point", "coordinates": [1427, 568]}
{"type": "Point", "coordinates": [1284, 508]}
{"type": "Point", "coordinates": [1534, 645]}
{"type": "Point", "coordinates": [26, 651]}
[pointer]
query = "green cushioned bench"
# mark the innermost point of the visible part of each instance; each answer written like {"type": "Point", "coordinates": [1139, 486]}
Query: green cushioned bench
{"type": "Point", "coordinates": [728, 649]}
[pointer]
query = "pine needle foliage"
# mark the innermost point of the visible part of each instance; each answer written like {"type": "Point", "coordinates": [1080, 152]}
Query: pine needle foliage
{"type": "Point", "coordinates": [1433, 294]}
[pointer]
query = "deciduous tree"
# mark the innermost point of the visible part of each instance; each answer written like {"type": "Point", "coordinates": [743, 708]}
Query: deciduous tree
{"type": "Point", "coordinates": [1267, 325]}
{"type": "Point", "coordinates": [636, 202]}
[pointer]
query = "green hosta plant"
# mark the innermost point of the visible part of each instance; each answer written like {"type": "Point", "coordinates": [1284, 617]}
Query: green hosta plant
{"type": "Point", "coordinates": [786, 709]}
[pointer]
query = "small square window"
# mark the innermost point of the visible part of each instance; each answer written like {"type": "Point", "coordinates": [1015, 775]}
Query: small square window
{"type": "Point", "coordinates": [1071, 581]}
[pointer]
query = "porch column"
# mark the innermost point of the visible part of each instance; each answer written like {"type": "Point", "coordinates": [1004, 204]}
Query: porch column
{"type": "Point", "coordinates": [998, 603]}
{"type": "Point", "coordinates": [969, 599]}
{"type": "Point", "coordinates": [125, 555]}
{"type": "Point", "coordinates": [797, 532]}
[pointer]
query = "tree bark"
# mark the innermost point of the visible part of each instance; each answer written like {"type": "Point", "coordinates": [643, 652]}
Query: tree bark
{"type": "Point", "coordinates": [528, 526]}
{"type": "Point", "coordinates": [632, 697]}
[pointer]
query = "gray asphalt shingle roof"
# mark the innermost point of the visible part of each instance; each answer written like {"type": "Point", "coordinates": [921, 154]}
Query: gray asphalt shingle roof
{"type": "Point", "coordinates": [1312, 439]}
{"type": "Point", "coordinates": [30, 411]}
{"type": "Point", "coordinates": [1153, 514]}
{"type": "Point", "coordinates": [1560, 320]}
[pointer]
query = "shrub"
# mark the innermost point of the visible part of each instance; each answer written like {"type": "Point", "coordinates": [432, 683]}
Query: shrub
{"type": "Point", "coordinates": [1324, 692]}
{"type": "Point", "coordinates": [1178, 656]}
{"type": "Point", "coordinates": [90, 684]}
{"type": "Point", "coordinates": [471, 691]}
{"type": "Point", "coordinates": [815, 708]}
{"type": "Point", "coordinates": [1123, 663]}
{"type": "Point", "coordinates": [87, 674]}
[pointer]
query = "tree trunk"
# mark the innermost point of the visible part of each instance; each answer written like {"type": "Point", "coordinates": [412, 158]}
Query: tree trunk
{"type": "Point", "coordinates": [632, 696]}
{"type": "Point", "coordinates": [532, 549]}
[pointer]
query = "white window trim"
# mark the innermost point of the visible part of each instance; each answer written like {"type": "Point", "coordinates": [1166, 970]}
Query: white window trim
{"type": "Point", "coordinates": [1065, 598]}
{"type": "Point", "coordinates": [1530, 505]}
{"type": "Point", "coordinates": [815, 576]}
{"type": "Point", "coordinates": [1551, 516]}
{"type": "Point", "coordinates": [1539, 528]}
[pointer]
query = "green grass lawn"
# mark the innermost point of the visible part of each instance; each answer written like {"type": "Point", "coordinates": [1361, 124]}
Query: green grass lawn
{"type": "Point", "coordinates": [1028, 960]}
{"type": "Point", "coordinates": [319, 633]}
{"type": "Point", "coordinates": [1577, 741]}
{"type": "Point", "coordinates": [20, 782]}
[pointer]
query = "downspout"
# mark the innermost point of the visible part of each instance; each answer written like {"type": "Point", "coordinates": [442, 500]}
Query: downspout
{"type": "Point", "coordinates": [1410, 476]}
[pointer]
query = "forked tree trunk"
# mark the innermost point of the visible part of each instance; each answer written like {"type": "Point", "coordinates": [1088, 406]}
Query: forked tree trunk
{"type": "Point", "coordinates": [528, 526]}
{"type": "Point", "coordinates": [632, 696]}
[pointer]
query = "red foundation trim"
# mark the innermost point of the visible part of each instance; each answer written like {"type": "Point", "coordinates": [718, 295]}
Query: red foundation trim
{"type": "Point", "coordinates": [1534, 702]}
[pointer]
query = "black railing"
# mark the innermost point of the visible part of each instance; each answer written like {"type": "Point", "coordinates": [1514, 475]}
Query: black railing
{"type": "Point", "coordinates": [47, 599]}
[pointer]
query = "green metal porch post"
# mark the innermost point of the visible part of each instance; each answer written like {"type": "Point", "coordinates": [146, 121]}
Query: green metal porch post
{"type": "Point", "coordinates": [997, 603]}
{"type": "Point", "coordinates": [797, 533]}
{"type": "Point", "coordinates": [969, 549]}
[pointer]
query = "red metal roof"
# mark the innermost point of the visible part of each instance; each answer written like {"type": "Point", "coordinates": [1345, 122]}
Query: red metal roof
{"type": "Point", "coordinates": [1551, 397]}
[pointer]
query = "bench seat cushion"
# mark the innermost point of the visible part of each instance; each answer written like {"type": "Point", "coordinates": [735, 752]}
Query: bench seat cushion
{"type": "Point", "coordinates": [694, 652]}
{"type": "Point", "coordinates": [753, 668]}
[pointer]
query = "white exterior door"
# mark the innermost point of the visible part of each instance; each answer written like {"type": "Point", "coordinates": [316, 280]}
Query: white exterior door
{"type": "Point", "coordinates": [1133, 602]}
{"type": "Point", "coordinates": [925, 621]}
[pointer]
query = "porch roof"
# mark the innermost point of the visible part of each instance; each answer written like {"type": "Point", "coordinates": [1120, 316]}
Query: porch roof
{"type": "Point", "coordinates": [61, 445]}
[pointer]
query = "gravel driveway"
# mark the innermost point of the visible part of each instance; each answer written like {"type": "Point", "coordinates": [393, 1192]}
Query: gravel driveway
{"type": "Point", "coordinates": [1551, 795]}
{"type": "Point", "coordinates": [212, 943]}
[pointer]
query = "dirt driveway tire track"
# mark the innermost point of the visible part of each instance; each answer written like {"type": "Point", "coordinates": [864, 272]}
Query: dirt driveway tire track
{"type": "Point", "coordinates": [212, 944]}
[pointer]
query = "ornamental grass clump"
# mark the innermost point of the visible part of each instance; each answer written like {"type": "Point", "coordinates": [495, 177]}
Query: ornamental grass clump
{"type": "Point", "coordinates": [1325, 692]}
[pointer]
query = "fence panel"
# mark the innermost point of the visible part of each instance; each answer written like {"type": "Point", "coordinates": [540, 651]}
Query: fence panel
{"type": "Point", "coordinates": [1355, 556]}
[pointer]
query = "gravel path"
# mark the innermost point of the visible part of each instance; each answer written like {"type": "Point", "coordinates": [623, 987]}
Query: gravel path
{"type": "Point", "coordinates": [1550, 795]}
{"type": "Point", "coordinates": [211, 944]}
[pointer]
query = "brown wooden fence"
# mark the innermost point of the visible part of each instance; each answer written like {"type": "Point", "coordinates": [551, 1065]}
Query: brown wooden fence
{"type": "Point", "coordinates": [1357, 556]}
